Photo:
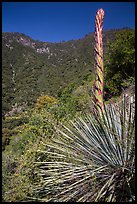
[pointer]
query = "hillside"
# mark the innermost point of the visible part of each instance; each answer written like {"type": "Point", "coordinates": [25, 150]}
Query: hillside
{"type": "Point", "coordinates": [32, 68]}
{"type": "Point", "coordinates": [52, 137]}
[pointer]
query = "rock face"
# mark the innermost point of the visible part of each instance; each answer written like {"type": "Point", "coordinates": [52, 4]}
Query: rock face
{"type": "Point", "coordinates": [128, 96]}
{"type": "Point", "coordinates": [26, 42]}
{"type": "Point", "coordinates": [16, 109]}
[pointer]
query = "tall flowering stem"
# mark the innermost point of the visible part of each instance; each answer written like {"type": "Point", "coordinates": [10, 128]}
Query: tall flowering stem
{"type": "Point", "coordinates": [99, 66]}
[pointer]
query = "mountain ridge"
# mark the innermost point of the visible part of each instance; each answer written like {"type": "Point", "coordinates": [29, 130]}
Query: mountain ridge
{"type": "Point", "coordinates": [32, 68]}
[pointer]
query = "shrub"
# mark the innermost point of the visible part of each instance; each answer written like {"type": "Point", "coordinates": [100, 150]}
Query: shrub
{"type": "Point", "coordinates": [43, 100]}
{"type": "Point", "coordinates": [120, 63]}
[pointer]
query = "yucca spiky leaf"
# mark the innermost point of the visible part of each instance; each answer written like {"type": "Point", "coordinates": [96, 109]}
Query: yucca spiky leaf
{"type": "Point", "coordinates": [91, 159]}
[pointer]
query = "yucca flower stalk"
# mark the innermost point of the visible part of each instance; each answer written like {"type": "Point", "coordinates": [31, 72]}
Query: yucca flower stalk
{"type": "Point", "coordinates": [98, 85]}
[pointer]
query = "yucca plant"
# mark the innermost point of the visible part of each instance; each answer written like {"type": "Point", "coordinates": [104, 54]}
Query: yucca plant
{"type": "Point", "coordinates": [91, 159]}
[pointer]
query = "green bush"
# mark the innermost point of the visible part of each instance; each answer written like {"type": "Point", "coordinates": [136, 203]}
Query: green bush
{"type": "Point", "coordinates": [120, 64]}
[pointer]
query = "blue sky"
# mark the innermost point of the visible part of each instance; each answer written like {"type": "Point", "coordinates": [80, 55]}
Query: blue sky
{"type": "Point", "coordinates": [58, 21]}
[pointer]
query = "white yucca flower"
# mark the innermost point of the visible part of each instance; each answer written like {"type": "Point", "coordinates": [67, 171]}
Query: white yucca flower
{"type": "Point", "coordinates": [90, 159]}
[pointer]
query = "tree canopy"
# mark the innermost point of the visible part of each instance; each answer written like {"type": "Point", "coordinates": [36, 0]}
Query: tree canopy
{"type": "Point", "coordinates": [120, 63]}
